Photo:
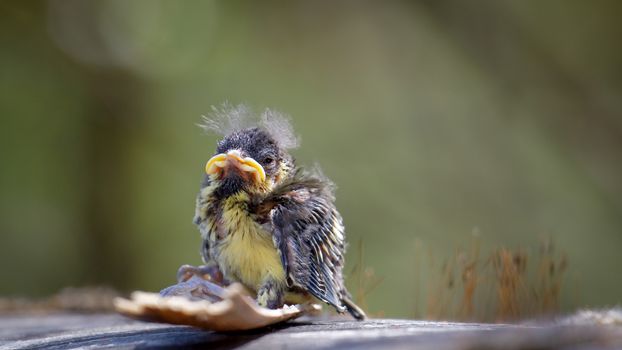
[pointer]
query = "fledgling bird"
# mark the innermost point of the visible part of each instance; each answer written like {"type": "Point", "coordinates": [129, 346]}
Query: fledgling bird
{"type": "Point", "coordinates": [265, 222]}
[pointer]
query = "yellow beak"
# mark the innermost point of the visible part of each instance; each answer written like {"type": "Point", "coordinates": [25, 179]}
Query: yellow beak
{"type": "Point", "coordinates": [233, 158]}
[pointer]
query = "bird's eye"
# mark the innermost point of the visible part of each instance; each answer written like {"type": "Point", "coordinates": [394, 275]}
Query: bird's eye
{"type": "Point", "coordinates": [268, 160]}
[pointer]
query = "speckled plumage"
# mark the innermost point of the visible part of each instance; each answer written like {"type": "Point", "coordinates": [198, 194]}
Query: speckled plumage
{"type": "Point", "coordinates": [281, 237]}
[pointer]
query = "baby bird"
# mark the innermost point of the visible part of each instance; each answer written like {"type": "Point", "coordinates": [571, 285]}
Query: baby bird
{"type": "Point", "coordinates": [265, 222]}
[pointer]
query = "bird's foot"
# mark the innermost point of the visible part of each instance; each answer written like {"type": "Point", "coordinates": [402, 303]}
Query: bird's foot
{"type": "Point", "coordinates": [196, 288]}
{"type": "Point", "coordinates": [270, 295]}
{"type": "Point", "coordinates": [209, 272]}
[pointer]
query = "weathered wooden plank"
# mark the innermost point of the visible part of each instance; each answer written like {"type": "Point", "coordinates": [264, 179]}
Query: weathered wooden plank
{"type": "Point", "coordinates": [67, 331]}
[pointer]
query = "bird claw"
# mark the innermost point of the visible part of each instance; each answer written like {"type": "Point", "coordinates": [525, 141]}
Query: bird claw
{"type": "Point", "coordinates": [195, 288]}
{"type": "Point", "coordinates": [208, 272]}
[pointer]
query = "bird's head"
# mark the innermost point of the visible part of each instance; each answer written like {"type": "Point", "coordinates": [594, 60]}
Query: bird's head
{"type": "Point", "coordinates": [251, 159]}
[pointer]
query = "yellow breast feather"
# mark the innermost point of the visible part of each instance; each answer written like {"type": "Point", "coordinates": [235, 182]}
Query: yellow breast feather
{"type": "Point", "coordinates": [247, 252]}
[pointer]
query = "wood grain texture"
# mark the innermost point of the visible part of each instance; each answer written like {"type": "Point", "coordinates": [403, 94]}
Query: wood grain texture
{"type": "Point", "coordinates": [68, 331]}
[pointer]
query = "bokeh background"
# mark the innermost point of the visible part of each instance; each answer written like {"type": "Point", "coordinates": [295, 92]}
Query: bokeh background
{"type": "Point", "coordinates": [442, 122]}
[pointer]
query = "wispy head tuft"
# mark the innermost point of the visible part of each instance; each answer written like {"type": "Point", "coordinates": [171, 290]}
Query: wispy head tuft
{"type": "Point", "coordinates": [226, 119]}
{"type": "Point", "coordinates": [280, 127]}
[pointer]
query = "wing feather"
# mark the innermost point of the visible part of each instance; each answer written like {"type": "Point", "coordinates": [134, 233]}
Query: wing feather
{"type": "Point", "coordinates": [309, 234]}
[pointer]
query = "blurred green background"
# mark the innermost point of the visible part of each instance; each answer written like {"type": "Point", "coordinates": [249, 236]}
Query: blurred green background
{"type": "Point", "coordinates": [436, 119]}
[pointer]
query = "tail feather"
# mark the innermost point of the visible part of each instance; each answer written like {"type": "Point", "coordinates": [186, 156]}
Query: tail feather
{"type": "Point", "coordinates": [354, 309]}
